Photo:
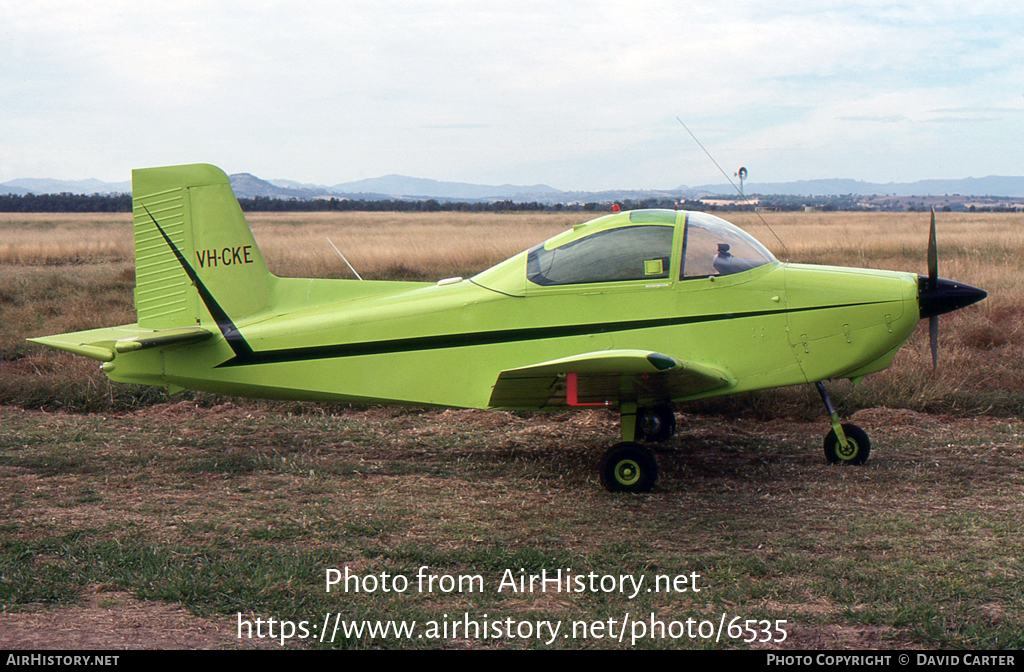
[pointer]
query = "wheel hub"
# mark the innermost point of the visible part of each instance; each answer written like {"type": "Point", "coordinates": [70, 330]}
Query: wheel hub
{"type": "Point", "coordinates": [627, 472]}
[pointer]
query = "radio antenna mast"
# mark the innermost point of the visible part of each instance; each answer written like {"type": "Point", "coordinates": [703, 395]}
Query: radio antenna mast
{"type": "Point", "coordinates": [343, 258]}
{"type": "Point", "coordinates": [738, 190]}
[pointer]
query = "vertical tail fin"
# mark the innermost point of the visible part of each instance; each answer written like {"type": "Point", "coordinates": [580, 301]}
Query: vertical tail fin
{"type": "Point", "coordinates": [195, 258]}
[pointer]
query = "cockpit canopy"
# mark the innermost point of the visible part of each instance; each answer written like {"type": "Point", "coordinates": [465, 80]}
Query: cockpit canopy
{"type": "Point", "coordinates": [641, 249]}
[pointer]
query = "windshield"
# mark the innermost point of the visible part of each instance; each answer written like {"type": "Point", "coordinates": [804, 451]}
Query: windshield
{"type": "Point", "coordinates": [713, 246]}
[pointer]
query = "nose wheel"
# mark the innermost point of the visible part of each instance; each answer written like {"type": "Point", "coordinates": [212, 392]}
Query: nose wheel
{"type": "Point", "coordinates": [846, 443]}
{"type": "Point", "coordinates": [856, 450]}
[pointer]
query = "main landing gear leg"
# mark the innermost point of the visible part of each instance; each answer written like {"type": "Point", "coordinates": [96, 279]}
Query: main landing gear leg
{"type": "Point", "coordinates": [628, 420]}
{"type": "Point", "coordinates": [846, 443]}
{"type": "Point", "coordinates": [628, 466]}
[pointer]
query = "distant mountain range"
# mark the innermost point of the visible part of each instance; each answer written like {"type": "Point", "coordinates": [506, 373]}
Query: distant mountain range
{"type": "Point", "coordinates": [44, 186]}
{"type": "Point", "coordinates": [415, 187]}
{"type": "Point", "coordinates": [399, 186]}
{"type": "Point", "coordinates": [993, 185]}
{"type": "Point", "coordinates": [246, 185]}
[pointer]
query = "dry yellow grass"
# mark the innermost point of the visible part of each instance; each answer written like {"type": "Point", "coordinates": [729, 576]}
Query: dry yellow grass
{"type": "Point", "coordinates": [59, 238]}
{"type": "Point", "coordinates": [378, 244]}
{"type": "Point", "coordinates": [398, 245]}
{"type": "Point", "coordinates": [978, 248]}
{"type": "Point", "coordinates": [986, 246]}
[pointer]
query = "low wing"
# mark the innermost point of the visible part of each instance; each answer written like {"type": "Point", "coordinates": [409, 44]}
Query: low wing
{"type": "Point", "coordinates": [103, 344]}
{"type": "Point", "coordinates": [597, 378]}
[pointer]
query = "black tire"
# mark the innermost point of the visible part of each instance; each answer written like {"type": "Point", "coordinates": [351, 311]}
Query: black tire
{"type": "Point", "coordinates": [860, 446]}
{"type": "Point", "coordinates": [655, 424]}
{"type": "Point", "coordinates": [628, 467]}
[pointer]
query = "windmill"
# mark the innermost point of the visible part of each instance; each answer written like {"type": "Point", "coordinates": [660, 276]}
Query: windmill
{"type": "Point", "coordinates": [742, 174]}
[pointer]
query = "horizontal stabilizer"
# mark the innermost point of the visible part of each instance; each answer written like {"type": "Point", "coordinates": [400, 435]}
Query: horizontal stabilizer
{"type": "Point", "coordinates": [606, 376]}
{"type": "Point", "coordinates": [104, 344]}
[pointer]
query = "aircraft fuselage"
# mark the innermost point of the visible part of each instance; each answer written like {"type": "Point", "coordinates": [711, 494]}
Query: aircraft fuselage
{"type": "Point", "coordinates": [426, 344]}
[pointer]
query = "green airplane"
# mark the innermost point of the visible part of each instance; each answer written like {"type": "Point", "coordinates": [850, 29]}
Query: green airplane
{"type": "Point", "coordinates": [633, 311]}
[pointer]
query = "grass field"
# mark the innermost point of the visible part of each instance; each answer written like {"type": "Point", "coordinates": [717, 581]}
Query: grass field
{"type": "Point", "coordinates": [119, 503]}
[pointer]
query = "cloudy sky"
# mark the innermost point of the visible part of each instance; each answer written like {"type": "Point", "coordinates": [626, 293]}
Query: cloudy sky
{"type": "Point", "coordinates": [575, 95]}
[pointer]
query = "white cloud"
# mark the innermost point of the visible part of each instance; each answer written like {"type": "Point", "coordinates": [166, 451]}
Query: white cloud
{"type": "Point", "coordinates": [579, 95]}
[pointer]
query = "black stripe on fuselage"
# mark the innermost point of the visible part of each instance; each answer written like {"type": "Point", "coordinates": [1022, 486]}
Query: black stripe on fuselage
{"type": "Point", "coordinates": [444, 341]}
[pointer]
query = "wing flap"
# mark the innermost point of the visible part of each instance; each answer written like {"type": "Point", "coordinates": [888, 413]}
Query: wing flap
{"type": "Point", "coordinates": [607, 376]}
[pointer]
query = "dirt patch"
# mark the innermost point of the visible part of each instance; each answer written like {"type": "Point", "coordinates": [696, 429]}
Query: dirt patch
{"type": "Point", "coordinates": [116, 620]}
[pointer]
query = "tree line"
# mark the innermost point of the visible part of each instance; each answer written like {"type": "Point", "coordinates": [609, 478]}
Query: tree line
{"type": "Point", "coordinates": [67, 202]}
{"type": "Point", "coordinates": [265, 204]}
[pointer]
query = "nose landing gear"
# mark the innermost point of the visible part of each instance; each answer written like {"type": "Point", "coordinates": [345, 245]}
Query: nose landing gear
{"type": "Point", "coordinates": [846, 443]}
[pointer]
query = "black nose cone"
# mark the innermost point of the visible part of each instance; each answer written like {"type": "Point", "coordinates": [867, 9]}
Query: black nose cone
{"type": "Point", "coordinates": [946, 296]}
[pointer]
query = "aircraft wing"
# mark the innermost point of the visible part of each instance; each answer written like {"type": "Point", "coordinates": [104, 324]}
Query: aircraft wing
{"type": "Point", "coordinates": [598, 378]}
{"type": "Point", "coordinates": [103, 344]}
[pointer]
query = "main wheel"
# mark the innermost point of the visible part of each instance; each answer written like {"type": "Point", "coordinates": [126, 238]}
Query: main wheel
{"type": "Point", "coordinates": [628, 467]}
{"type": "Point", "coordinates": [655, 424]}
{"type": "Point", "coordinates": [857, 452]}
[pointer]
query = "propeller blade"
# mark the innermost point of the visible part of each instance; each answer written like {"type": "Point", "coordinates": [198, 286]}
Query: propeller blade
{"type": "Point", "coordinates": [936, 295]}
{"type": "Point", "coordinates": [933, 283]}
{"type": "Point", "coordinates": [933, 256]}
{"type": "Point", "coordinates": [933, 337]}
